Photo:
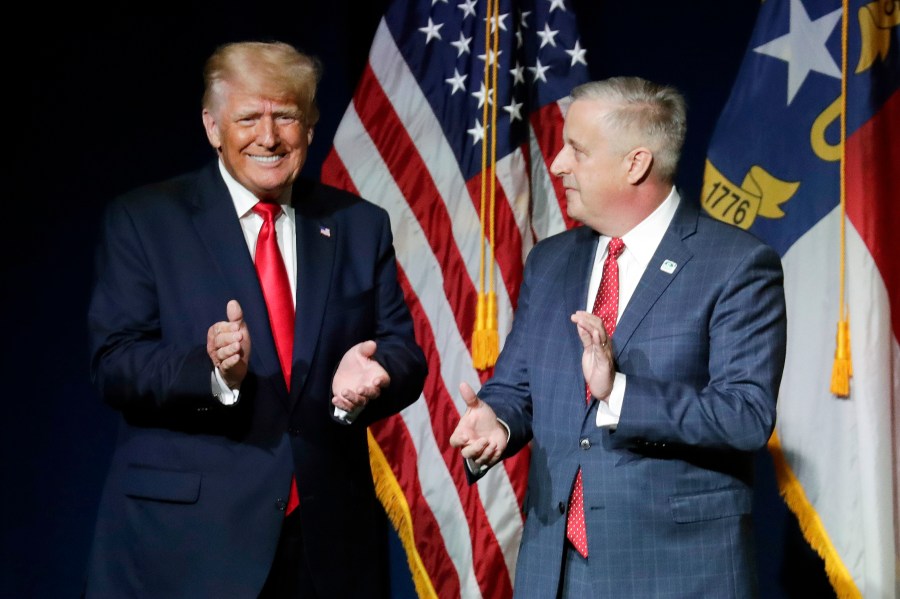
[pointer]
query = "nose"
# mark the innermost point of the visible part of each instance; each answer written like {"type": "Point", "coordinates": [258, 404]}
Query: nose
{"type": "Point", "coordinates": [267, 133]}
{"type": "Point", "coordinates": [560, 165]}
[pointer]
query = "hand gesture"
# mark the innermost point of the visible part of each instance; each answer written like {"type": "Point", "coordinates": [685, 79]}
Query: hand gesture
{"type": "Point", "coordinates": [479, 434]}
{"type": "Point", "coordinates": [597, 362]}
{"type": "Point", "coordinates": [228, 345]}
{"type": "Point", "coordinates": [358, 379]}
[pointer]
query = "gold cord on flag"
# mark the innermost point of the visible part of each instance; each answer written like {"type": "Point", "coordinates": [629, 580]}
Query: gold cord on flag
{"type": "Point", "coordinates": [485, 337]}
{"type": "Point", "coordinates": [842, 369]}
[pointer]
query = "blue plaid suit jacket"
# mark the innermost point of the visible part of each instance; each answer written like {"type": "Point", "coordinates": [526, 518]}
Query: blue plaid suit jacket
{"type": "Point", "coordinates": [668, 492]}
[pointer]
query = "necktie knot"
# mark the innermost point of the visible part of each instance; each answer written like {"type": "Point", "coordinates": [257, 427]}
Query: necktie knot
{"type": "Point", "coordinates": [616, 245]}
{"type": "Point", "coordinates": [267, 210]}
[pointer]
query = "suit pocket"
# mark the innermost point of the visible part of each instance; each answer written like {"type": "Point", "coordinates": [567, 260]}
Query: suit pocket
{"type": "Point", "coordinates": [162, 485]}
{"type": "Point", "coordinates": [712, 505]}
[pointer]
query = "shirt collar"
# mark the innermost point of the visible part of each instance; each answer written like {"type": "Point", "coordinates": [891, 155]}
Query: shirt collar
{"type": "Point", "coordinates": [244, 200]}
{"type": "Point", "coordinates": [644, 238]}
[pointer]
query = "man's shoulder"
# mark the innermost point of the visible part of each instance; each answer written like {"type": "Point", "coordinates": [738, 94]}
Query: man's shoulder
{"type": "Point", "coordinates": [711, 229]}
{"type": "Point", "coordinates": [163, 193]}
{"type": "Point", "coordinates": [564, 241]}
{"type": "Point", "coordinates": [316, 199]}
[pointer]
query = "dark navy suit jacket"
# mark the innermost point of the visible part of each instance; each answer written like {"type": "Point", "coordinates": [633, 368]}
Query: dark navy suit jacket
{"type": "Point", "coordinates": [668, 493]}
{"type": "Point", "coordinates": [194, 500]}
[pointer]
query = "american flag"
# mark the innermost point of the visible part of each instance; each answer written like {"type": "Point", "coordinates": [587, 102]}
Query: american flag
{"type": "Point", "coordinates": [412, 142]}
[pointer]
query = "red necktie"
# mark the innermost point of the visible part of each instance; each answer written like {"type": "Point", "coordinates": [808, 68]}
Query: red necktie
{"type": "Point", "coordinates": [606, 306]}
{"type": "Point", "coordinates": [276, 288]}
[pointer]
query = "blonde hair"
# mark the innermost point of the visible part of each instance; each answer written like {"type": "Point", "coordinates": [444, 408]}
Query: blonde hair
{"type": "Point", "coordinates": [646, 113]}
{"type": "Point", "coordinates": [276, 69]}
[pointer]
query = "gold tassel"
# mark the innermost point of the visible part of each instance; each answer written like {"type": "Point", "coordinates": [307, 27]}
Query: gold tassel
{"type": "Point", "coordinates": [843, 364]}
{"type": "Point", "coordinates": [485, 337]}
{"type": "Point", "coordinates": [842, 369]}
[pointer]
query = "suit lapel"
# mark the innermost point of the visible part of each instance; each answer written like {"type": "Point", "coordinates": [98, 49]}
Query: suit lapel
{"type": "Point", "coordinates": [317, 238]}
{"type": "Point", "coordinates": [577, 278]}
{"type": "Point", "coordinates": [220, 231]}
{"type": "Point", "coordinates": [659, 274]}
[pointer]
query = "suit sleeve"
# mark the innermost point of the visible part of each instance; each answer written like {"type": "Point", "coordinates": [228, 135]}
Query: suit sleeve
{"type": "Point", "coordinates": [397, 350]}
{"type": "Point", "coordinates": [132, 364]}
{"type": "Point", "coordinates": [508, 391]}
{"type": "Point", "coordinates": [735, 409]}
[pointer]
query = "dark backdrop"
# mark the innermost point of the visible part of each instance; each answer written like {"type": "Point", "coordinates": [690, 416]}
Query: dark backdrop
{"type": "Point", "coordinates": [99, 103]}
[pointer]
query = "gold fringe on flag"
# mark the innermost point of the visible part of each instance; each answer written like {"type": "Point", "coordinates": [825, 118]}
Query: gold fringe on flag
{"type": "Point", "coordinates": [394, 501]}
{"type": "Point", "coordinates": [810, 524]}
{"type": "Point", "coordinates": [485, 337]}
{"type": "Point", "coordinates": [842, 369]}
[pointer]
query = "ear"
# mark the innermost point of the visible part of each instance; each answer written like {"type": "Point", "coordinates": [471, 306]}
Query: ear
{"type": "Point", "coordinates": [212, 131]}
{"type": "Point", "coordinates": [309, 134]}
{"type": "Point", "coordinates": [638, 163]}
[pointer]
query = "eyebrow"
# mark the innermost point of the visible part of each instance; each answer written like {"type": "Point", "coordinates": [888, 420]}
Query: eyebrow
{"type": "Point", "coordinates": [577, 145]}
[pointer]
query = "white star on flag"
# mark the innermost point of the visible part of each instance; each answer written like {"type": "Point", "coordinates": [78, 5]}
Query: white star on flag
{"type": "Point", "coordinates": [457, 81]}
{"type": "Point", "coordinates": [547, 36]}
{"type": "Point", "coordinates": [431, 30]}
{"type": "Point", "coordinates": [577, 53]}
{"type": "Point", "coordinates": [462, 44]}
{"type": "Point", "coordinates": [538, 71]}
{"type": "Point", "coordinates": [803, 47]}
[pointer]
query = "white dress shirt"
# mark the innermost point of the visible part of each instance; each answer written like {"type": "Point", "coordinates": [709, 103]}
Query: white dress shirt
{"type": "Point", "coordinates": [640, 244]}
{"type": "Point", "coordinates": [251, 223]}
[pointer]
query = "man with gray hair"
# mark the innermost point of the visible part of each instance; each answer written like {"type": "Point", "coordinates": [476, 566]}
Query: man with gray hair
{"type": "Point", "coordinates": [643, 366]}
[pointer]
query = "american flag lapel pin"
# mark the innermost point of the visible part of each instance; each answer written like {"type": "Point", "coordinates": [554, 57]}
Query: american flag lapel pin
{"type": "Point", "coordinates": [324, 231]}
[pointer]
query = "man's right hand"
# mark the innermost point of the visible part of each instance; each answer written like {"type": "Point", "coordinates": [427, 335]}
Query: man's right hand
{"type": "Point", "coordinates": [479, 434]}
{"type": "Point", "coordinates": [228, 345]}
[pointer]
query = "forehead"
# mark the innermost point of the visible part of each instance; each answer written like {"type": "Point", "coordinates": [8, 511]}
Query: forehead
{"type": "Point", "coordinates": [584, 120]}
{"type": "Point", "coordinates": [240, 96]}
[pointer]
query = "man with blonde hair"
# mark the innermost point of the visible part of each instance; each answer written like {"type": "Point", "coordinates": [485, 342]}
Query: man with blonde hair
{"type": "Point", "coordinates": [248, 325]}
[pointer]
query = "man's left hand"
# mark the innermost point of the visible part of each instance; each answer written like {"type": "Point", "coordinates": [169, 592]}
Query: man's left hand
{"type": "Point", "coordinates": [597, 361]}
{"type": "Point", "coordinates": [358, 379]}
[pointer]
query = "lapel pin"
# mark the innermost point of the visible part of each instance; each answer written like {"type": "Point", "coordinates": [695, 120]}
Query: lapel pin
{"type": "Point", "coordinates": [668, 266]}
{"type": "Point", "coordinates": [324, 231]}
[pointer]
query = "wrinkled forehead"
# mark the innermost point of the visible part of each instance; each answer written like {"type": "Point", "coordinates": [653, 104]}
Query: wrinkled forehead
{"type": "Point", "coordinates": [248, 90]}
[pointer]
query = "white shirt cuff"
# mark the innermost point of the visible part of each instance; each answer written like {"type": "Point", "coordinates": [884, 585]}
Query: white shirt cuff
{"type": "Point", "coordinates": [608, 411]}
{"type": "Point", "coordinates": [345, 416]}
{"type": "Point", "coordinates": [221, 391]}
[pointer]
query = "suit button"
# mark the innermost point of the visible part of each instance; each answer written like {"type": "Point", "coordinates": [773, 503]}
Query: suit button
{"type": "Point", "coordinates": [562, 507]}
{"type": "Point", "coordinates": [294, 430]}
{"type": "Point", "coordinates": [585, 444]}
{"type": "Point", "coordinates": [281, 504]}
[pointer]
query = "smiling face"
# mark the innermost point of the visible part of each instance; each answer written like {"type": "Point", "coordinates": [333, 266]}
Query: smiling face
{"type": "Point", "coordinates": [593, 170]}
{"type": "Point", "coordinates": [262, 138]}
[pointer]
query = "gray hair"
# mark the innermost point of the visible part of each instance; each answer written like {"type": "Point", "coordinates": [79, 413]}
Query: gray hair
{"type": "Point", "coordinates": [645, 113]}
{"type": "Point", "coordinates": [274, 68]}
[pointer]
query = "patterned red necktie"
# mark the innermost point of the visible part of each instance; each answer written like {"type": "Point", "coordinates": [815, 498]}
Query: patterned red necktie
{"type": "Point", "coordinates": [606, 306]}
{"type": "Point", "coordinates": [276, 289]}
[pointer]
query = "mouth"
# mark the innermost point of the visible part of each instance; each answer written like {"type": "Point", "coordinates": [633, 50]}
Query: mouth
{"type": "Point", "coordinates": [265, 159]}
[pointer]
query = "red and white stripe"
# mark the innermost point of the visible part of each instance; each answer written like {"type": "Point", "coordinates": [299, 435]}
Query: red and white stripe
{"type": "Point", "coordinates": [391, 150]}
